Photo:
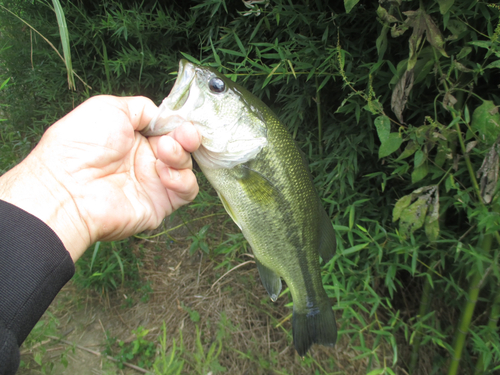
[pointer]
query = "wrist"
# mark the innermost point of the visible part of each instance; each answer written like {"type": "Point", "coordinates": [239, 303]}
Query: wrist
{"type": "Point", "coordinates": [32, 187]}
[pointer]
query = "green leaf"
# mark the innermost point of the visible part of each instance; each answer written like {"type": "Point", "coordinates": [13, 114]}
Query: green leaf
{"type": "Point", "coordinates": [419, 173]}
{"type": "Point", "coordinates": [383, 125]}
{"type": "Point", "coordinates": [481, 43]}
{"type": "Point", "coordinates": [94, 254]}
{"type": "Point", "coordinates": [216, 56]}
{"type": "Point", "coordinates": [349, 4]}
{"type": "Point", "coordinates": [420, 157]}
{"type": "Point", "coordinates": [445, 5]}
{"type": "Point", "coordinates": [464, 52]}
{"type": "Point", "coordinates": [382, 42]}
{"type": "Point", "coordinates": [431, 229]}
{"type": "Point", "coordinates": [230, 52]}
{"type": "Point", "coordinates": [486, 122]}
{"type": "Point", "coordinates": [413, 217]}
{"type": "Point", "coordinates": [400, 205]}
{"type": "Point", "coordinates": [63, 32]}
{"type": "Point", "coordinates": [240, 45]}
{"type": "Point", "coordinates": [4, 83]}
{"type": "Point", "coordinates": [354, 249]}
{"type": "Point", "coordinates": [425, 209]}
{"type": "Point", "coordinates": [190, 58]}
{"type": "Point", "coordinates": [494, 64]}
{"type": "Point", "coordinates": [390, 145]}
{"type": "Point", "coordinates": [410, 149]}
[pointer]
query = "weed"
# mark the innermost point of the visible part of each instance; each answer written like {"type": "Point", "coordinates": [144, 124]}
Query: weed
{"type": "Point", "coordinates": [169, 364]}
{"type": "Point", "coordinates": [207, 360]}
{"type": "Point", "coordinates": [108, 265]}
{"type": "Point", "coordinates": [36, 344]}
{"type": "Point", "coordinates": [400, 129]}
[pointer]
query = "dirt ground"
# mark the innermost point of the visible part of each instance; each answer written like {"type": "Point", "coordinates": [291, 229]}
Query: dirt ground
{"type": "Point", "coordinates": [255, 336]}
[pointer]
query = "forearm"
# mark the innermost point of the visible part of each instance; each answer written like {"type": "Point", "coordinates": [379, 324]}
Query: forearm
{"type": "Point", "coordinates": [34, 266]}
{"type": "Point", "coordinates": [32, 187]}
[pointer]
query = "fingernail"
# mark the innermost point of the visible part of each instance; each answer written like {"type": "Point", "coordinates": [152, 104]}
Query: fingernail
{"type": "Point", "coordinates": [174, 174]}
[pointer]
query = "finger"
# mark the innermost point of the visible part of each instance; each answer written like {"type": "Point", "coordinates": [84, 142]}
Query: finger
{"type": "Point", "coordinates": [187, 136]}
{"type": "Point", "coordinates": [181, 184]}
{"type": "Point", "coordinates": [171, 153]}
{"type": "Point", "coordinates": [141, 111]}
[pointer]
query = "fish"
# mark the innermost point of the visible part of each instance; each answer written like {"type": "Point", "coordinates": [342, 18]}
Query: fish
{"type": "Point", "coordinates": [264, 183]}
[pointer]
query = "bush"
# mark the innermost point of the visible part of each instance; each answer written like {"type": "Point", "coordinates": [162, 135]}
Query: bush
{"type": "Point", "coordinates": [395, 105]}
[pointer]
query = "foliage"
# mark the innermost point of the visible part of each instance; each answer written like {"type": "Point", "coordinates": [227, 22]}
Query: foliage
{"type": "Point", "coordinates": [168, 364]}
{"type": "Point", "coordinates": [395, 104]}
{"type": "Point", "coordinates": [139, 350]}
{"type": "Point", "coordinates": [171, 357]}
{"type": "Point", "coordinates": [37, 345]}
{"type": "Point", "coordinates": [109, 265]}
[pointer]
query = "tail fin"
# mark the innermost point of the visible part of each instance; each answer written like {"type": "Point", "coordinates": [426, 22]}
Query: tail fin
{"type": "Point", "coordinates": [317, 326]}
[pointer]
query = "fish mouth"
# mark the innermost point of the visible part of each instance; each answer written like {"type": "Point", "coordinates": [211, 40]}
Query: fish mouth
{"type": "Point", "coordinates": [180, 92]}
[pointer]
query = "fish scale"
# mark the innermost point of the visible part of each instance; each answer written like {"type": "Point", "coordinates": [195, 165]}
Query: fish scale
{"type": "Point", "coordinates": [252, 161]}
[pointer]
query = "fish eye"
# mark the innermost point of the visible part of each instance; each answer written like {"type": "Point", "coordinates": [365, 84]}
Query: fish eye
{"type": "Point", "coordinates": [216, 85]}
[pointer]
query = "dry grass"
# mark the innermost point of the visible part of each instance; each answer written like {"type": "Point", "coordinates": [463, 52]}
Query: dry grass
{"type": "Point", "coordinates": [256, 332]}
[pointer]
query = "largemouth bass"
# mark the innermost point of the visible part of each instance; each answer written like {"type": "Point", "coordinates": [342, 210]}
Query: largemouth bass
{"type": "Point", "coordinates": [265, 186]}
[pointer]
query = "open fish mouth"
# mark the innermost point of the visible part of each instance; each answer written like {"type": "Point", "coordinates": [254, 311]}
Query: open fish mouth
{"type": "Point", "coordinates": [180, 92]}
{"type": "Point", "coordinates": [166, 120]}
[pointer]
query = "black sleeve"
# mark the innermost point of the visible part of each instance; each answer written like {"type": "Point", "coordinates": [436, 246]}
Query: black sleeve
{"type": "Point", "coordinates": [34, 266]}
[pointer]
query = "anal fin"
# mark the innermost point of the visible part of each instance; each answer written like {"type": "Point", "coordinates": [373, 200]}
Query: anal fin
{"type": "Point", "coordinates": [328, 244]}
{"type": "Point", "coordinates": [270, 280]}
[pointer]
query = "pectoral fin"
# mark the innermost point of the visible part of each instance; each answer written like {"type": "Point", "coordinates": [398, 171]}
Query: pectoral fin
{"type": "Point", "coordinates": [228, 209]}
{"type": "Point", "coordinates": [258, 187]}
{"type": "Point", "coordinates": [270, 280]}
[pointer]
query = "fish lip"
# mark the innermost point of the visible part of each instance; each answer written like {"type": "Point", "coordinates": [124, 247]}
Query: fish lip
{"type": "Point", "coordinates": [180, 91]}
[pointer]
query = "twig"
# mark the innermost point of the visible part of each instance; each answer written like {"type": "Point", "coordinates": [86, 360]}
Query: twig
{"type": "Point", "coordinates": [137, 368]}
{"type": "Point", "coordinates": [231, 270]}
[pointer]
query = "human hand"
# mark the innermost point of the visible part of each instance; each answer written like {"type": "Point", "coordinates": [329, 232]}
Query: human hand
{"type": "Point", "coordinates": [94, 177]}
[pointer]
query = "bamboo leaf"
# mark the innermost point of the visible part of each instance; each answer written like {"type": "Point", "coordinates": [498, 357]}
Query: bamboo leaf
{"type": "Point", "coordinates": [4, 83]}
{"type": "Point", "coordinates": [354, 249]}
{"type": "Point", "coordinates": [63, 32]}
{"type": "Point", "coordinates": [240, 45]}
{"type": "Point", "coordinates": [190, 58]}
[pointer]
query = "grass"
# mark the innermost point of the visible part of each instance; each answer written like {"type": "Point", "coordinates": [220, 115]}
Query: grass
{"type": "Point", "coordinates": [191, 327]}
{"type": "Point", "coordinates": [400, 174]}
